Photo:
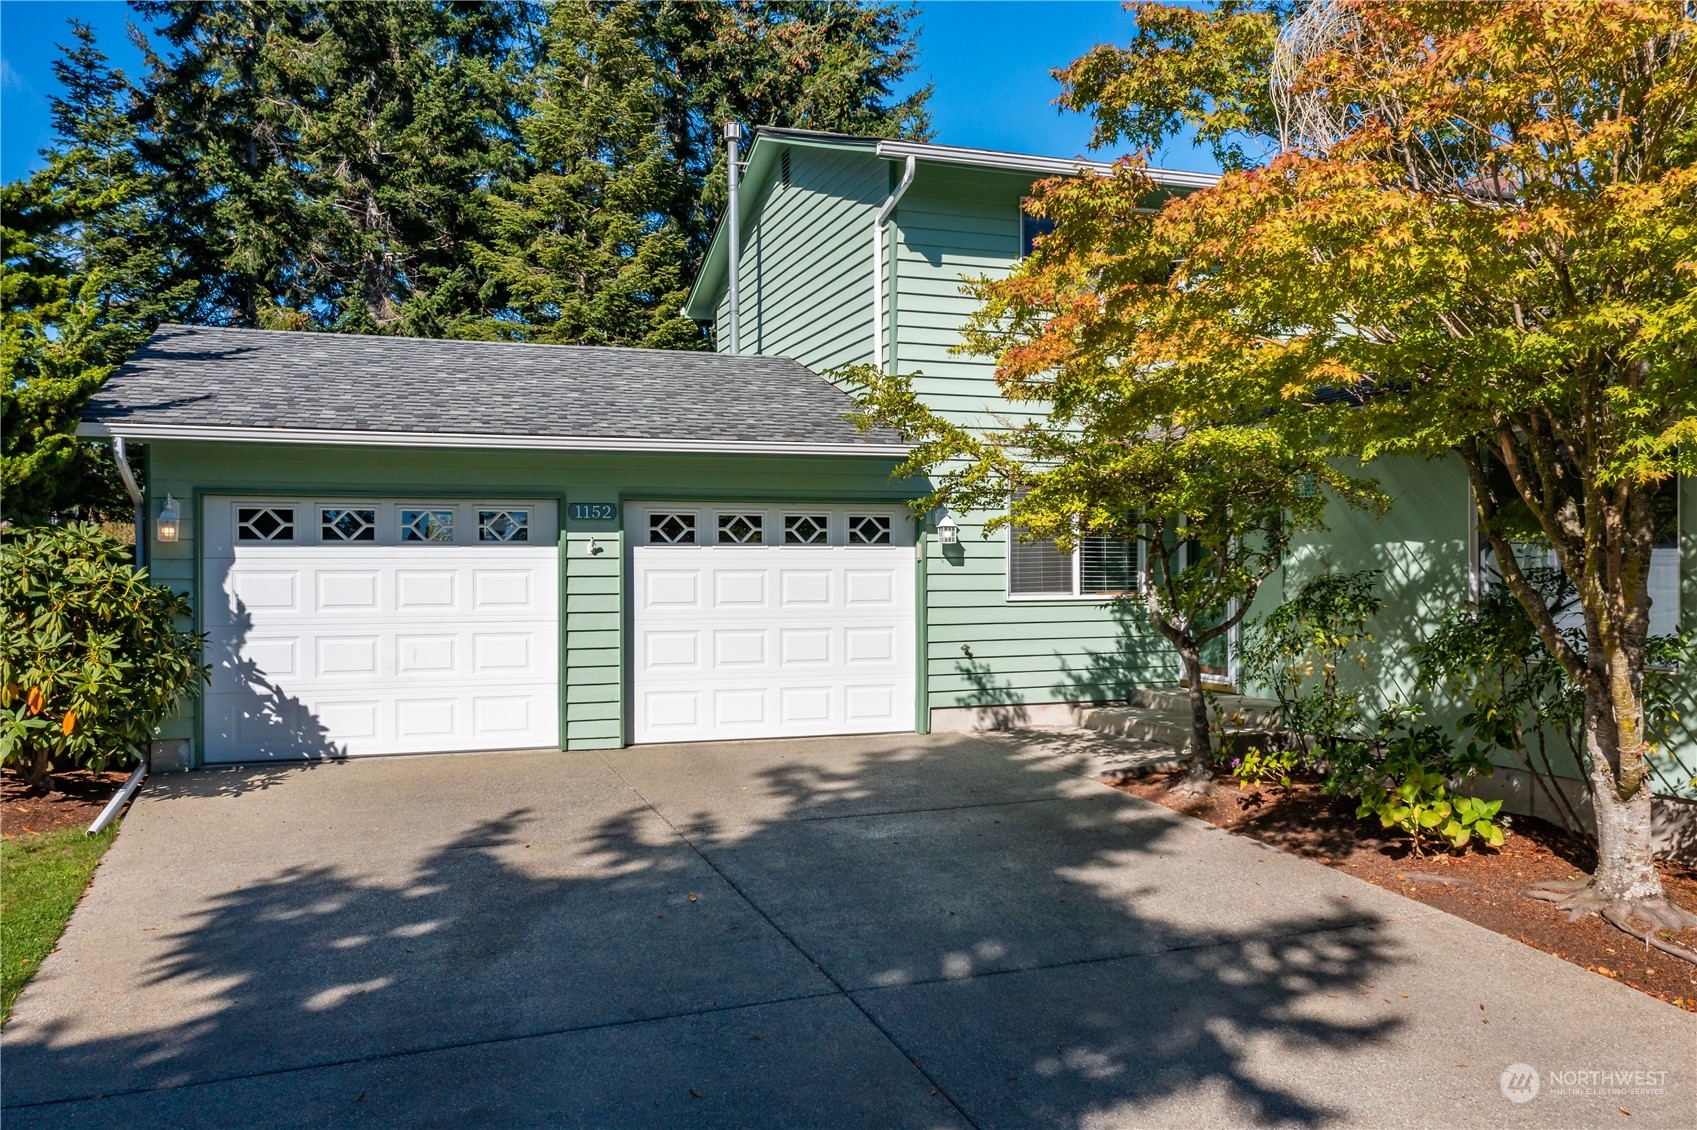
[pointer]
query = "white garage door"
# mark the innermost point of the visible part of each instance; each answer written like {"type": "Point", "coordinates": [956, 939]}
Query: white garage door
{"type": "Point", "coordinates": [356, 626]}
{"type": "Point", "coordinates": [770, 621]}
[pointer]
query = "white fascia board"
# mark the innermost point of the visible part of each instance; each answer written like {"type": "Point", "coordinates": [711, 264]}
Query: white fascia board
{"type": "Point", "coordinates": [339, 438]}
{"type": "Point", "coordinates": [1027, 163]}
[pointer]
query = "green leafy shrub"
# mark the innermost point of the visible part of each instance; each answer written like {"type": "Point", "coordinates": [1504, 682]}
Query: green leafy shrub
{"type": "Point", "coordinates": [1298, 649]}
{"type": "Point", "coordinates": [91, 658]}
{"type": "Point", "coordinates": [1409, 782]}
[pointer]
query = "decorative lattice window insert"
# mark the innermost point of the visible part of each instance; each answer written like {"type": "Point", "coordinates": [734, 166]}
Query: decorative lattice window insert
{"type": "Point", "coordinates": [671, 529]}
{"type": "Point", "coordinates": [869, 529]}
{"type": "Point", "coordinates": [265, 523]}
{"type": "Point", "coordinates": [741, 529]}
{"type": "Point", "coordinates": [807, 529]}
{"type": "Point", "coordinates": [503, 525]}
{"type": "Point", "coordinates": [427, 525]}
{"type": "Point", "coordinates": [339, 524]}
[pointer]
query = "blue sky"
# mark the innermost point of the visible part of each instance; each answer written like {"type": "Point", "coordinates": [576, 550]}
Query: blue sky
{"type": "Point", "coordinates": [989, 61]}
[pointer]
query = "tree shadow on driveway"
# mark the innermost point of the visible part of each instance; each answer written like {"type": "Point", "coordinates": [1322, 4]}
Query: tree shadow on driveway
{"type": "Point", "coordinates": [1048, 952]}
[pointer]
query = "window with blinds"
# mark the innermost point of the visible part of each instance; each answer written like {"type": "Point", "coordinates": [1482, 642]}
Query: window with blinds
{"type": "Point", "coordinates": [1039, 568]}
{"type": "Point", "coordinates": [1107, 566]}
{"type": "Point", "coordinates": [1097, 567]}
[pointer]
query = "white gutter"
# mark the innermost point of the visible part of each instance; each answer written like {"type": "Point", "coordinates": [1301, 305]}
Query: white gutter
{"type": "Point", "coordinates": [883, 218]}
{"type": "Point", "coordinates": [1026, 163]}
{"type": "Point", "coordinates": [122, 458]}
{"type": "Point", "coordinates": [343, 438]}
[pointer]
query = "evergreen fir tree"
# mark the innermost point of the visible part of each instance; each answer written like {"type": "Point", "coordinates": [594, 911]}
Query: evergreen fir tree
{"type": "Point", "coordinates": [87, 278]}
{"type": "Point", "coordinates": [585, 248]}
{"type": "Point", "coordinates": [326, 161]}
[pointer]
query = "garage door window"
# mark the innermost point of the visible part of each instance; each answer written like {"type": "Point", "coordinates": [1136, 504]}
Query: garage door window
{"type": "Point", "coordinates": [671, 529]}
{"type": "Point", "coordinates": [337, 524]}
{"type": "Point", "coordinates": [742, 529]}
{"type": "Point", "coordinates": [503, 525]}
{"type": "Point", "coordinates": [265, 523]}
{"type": "Point", "coordinates": [869, 529]}
{"type": "Point", "coordinates": [807, 529]}
{"type": "Point", "coordinates": [427, 525]}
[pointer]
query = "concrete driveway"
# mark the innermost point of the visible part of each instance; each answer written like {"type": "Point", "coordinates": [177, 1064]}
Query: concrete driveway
{"type": "Point", "coordinates": [871, 932]}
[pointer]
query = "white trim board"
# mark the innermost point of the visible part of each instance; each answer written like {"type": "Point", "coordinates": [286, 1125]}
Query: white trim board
{"type": "Point", "coordinates": [91, 429]}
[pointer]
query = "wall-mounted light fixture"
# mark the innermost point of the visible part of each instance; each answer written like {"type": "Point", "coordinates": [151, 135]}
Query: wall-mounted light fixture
{"type": "Point", "coordinates": [948, 530]}
{"type": "Point", "coordinates": [170, 521]}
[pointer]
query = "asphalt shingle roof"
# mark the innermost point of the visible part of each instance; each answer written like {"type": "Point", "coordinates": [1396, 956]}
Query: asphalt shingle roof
{"type": "Point", "coordinates": [199, 376]}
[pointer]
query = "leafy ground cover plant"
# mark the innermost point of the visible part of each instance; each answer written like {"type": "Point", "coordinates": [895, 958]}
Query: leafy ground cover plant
{"type": "Point", "coordinates": [1411, 785]}
{"type": "Point", "coordinates": [91, 657]}
{"type": "Point", "coordinates": [1258, 766]}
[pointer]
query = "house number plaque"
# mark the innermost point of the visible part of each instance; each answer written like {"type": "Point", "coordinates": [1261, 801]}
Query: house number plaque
{"type": "Point", "coordinates": [593, 511]}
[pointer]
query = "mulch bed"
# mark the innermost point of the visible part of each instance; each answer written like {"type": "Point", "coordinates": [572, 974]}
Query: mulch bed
{"type": "Point", "coordinates": [1482, 885]}
{"type": "Point", "coordinates": [76, 799]}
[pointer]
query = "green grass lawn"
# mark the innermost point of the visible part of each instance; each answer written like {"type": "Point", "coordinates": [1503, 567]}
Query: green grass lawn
{"type": "Point", "coordinates": [40, 881]}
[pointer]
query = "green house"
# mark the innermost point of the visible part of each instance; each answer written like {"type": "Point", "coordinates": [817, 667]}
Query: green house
{"type": "Point", "coordinates": [405, 546]}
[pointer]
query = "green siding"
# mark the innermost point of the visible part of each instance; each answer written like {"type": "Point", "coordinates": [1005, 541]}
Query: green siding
{"type": "Point", "coordinates": [592, 599]}
{"type": "Point", "coordinates": [806, 267]}
{"type": "Point", "coordinates": [953, 224]}
{"type": "Point", "coordinates": [592, 674]}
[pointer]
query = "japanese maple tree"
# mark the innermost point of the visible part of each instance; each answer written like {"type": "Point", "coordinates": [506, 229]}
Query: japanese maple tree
{"type": "Point", "coordinates": [1474, 235]}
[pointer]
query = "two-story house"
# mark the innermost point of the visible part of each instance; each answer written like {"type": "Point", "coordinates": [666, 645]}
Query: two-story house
{"type": "Point", "coordinates": [398, 545]}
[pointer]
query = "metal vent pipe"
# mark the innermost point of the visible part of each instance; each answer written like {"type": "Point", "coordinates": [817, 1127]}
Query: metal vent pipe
{"type": "Point", "coordinates": [733, 288]}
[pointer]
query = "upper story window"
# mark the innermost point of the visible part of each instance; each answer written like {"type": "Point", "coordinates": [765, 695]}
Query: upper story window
{"type": "Point", "coordinates": [1030, 227]}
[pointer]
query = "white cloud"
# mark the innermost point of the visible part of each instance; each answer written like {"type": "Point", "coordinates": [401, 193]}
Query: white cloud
{"type": "Point", "coordinates": [9, 78]}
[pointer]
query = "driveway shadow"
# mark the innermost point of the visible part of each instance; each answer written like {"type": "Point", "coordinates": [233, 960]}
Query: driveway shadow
{"type": "Point", "coordinates": [1045, 958]}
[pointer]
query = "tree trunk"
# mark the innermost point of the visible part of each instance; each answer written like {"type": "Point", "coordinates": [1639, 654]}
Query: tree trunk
{"type": "Point", "coordinates": [1199, 773]}
{"type": "Point", "coordinates": [1626, 869]}
{"type": "Point", "coordinates": [38, 770]}
{"type": "Point", "coordinates": [1626, 885]}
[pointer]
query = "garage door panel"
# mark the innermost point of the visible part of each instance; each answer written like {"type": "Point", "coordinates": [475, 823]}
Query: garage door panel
{"type": "Point", "coordinates": [870, 702]}
{"type": "Point", "coordinates": [769, 640]}
{"type": "Point", "coordinates": [741, 589]}
{"type": "Point", "coordinates": [672, 651]}
{"type": "Point", "coordinates": [804, 588]}
{"type": "Point", "coordinates": [346, 590]}
{"type": "Point", "coordinates": [805, 647]}
{"type": "Point", "coordinates": [426, 655]}
{"type": "Point", "coordinates": [427, 590]}
{"type": "Point", "coordinates": [740, 648]}
{"type": "Point", "coordinates": [267, 591]}
{"type": "Point", "coordinates": [325, 650]}
{"type": "Point", "coordinates": [426, 719]}
{"type": "Point", "coordinates": [504, 653]}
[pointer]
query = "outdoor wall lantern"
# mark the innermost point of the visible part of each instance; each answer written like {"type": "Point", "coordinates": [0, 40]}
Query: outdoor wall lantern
{"type": "Point", "coordinates": [170, 517]}
{"type": "Point", "coordinates": [948, 530]}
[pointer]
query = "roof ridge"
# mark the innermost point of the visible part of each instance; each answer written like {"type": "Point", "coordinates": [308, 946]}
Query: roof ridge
{"type": "Point", "coordinates": [706, 353]}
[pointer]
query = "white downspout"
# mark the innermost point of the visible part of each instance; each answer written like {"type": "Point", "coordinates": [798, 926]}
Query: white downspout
{"type": "Point", "coordinates": [884, 213]}
{"type": "Point", "coordinates": [122, 458]}
{"type": "Point", "coordinates": [733, 287]}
